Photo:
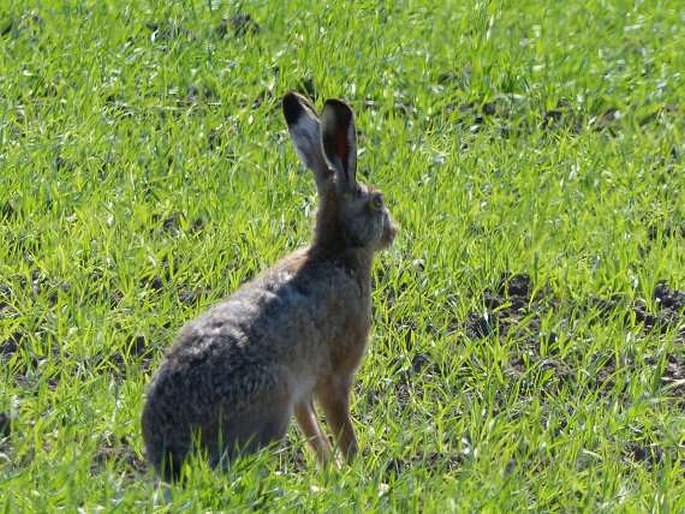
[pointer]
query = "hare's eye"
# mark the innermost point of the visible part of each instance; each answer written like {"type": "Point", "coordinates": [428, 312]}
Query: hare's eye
{"type": "Point", "coordinates": [377, 201]}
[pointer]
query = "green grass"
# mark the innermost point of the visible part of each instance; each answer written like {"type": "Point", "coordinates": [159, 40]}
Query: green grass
{"type": "Point", "coordinates": [140, 182]}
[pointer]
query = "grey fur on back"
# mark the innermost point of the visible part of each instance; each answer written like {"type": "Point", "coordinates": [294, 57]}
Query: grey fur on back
{"type": "Point", "coordinates": [236, 375]}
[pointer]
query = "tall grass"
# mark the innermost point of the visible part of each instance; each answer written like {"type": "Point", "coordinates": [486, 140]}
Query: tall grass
{"type": "Point", "coordinates": [146, 173]}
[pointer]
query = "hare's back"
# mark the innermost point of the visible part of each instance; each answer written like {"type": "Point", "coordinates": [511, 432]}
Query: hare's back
{"type": "Point", "coordinates": [289, 318]}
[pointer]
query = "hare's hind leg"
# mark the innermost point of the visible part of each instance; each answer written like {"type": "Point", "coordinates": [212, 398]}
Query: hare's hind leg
{"type": "Point", "coordinates": [306, 419]}
{"type": "Point", "coordinates": [253, 428]}
{"type": "Point", "coordinates": [334, 396]}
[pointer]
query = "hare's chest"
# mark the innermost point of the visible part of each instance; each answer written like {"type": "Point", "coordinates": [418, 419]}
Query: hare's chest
{"type": "Point", "coordinates": [352, 340]}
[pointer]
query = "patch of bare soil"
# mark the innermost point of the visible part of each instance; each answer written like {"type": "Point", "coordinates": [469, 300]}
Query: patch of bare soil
{"type": "Point", "coordinates": [5, 425]}
{"type": "Point", "coordinates": [434, 462]}
{"type": "Point", "coordinates": [515, 309]}
{"type": "Point", "coordinates": [120, 451]}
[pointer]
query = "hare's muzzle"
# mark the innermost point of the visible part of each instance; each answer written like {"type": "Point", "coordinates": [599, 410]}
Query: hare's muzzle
{"type": "Point", "coordinates": [389, 230]}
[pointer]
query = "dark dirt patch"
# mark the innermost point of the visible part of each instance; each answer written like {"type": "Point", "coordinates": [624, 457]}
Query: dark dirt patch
{"type": "Point", "coordinates": [674, 374]}
{"type": "Point", "coordinates": [168, 31]}
{"type": "Point", "coordinates": [136, 345]}
{"type": "Point", "coordinates": [307, 88]}
{"type": "Point", "coordinates": [30, 373]}
{"type": "Point", "coordinates": [30, 24]}
{"type": "Point", "coordinates": [6, 26]}
{"type": "Point", "coordinates": [39, 284]}
{"type": "Point", "coordinates": [649, 454]}
{"type": "Point", "coordinates": [410, 379]}
{"type": "Point", "coordinates": [558, 369]}
{"type": "Point", "coordinates": [25, 245]}
{"type": "Point", "coordinates": [478, 326]}
{"type": "Point", "coordinates": [169, 224]}
{"type": "Point", "coordinates": [176, 223]}
{"type": "Point", "coordinates": [265, 95]}
{"type": "Point", "coordinates": [120, 451]}
{"type": "Point", "coordinates": [11, 345]}
{"type": "Point", "coordinates": [35, 283]}
{"type": "Point", "coordinates": [402, 107]}
{"type": "Point", "coordinates": [55, 292]}
{"type": "Point", "coordinates": [552, 118]}
{"type": "Point", "coordinates": [114, 297]}
{"type": "Point", "coordinates": [668, 313]}
{"type": "Point", "coordinates": [434, 462]}
{"type": "Point", "coordinates": [116, 363]}
{"type": "Point", "coordinates": [510, 114]}
{"type": "Point", "coordinates": [668, 298]}
{"type": "Point", "coordinates": [153, 282]}
{"type": "Point", "coordinates": [189, 297]}
{"type": "Point", "coordinates": [604, 373]}
{"type": "Point", "coordinates": [214, 139]}
{"type": "Point", "coordinates": [514, 309]}
{"type": "Point", "coordinates": [504, 116]}
{"type": "Point", "coordinates": [221, 29]}
{"type": "Point", "coordinates": [199, 93]}
{"type": "Point", "coordinates": [7, 212]}
{"type": "Point", "coordinates": [116, 106]}
{"type": "Point", "coordinates": [241, 24]}
{"type": "Point", "coordinates": [607, 120]}
{"type": "Point", "coordinates": [455, 79]}
{"type": "Point", "coordinates": [404, 390]}
{"type": "Point", "coordinates": [489, 108]}
{"type": "Point", "coordinates": [659, 115]}
{"type": "Point", "coordinates": [292, 459]}
{"type": "Point", "coordinates": [562, 117]}
{"type": "Point", "coordinates": [5, 425]}
{"type": "Point", "coordinates": [419, 362]}
{"type": "Point", "coordinates": [669, 231]}
{"type": "Point", "coordinates": [103, 289]}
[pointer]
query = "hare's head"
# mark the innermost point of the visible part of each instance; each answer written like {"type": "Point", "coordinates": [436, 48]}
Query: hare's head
{"type": "Point", "coordinates": [351, 215]}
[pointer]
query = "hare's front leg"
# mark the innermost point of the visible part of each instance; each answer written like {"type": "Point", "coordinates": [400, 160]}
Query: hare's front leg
{"type": "Point", "coordinates": [306, 419]}
{"type": "Point", "coordinates": [334, 396]}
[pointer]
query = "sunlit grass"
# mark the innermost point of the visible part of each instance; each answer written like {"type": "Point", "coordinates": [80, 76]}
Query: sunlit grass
{"type": "Point", "coordinates": [146, 172]}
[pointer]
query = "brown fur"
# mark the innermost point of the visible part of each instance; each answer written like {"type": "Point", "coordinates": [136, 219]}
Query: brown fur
{"type": "Point", "coordinates": [236, 375]}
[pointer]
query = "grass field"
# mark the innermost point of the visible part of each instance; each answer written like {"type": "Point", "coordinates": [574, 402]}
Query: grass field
{"type": "Point", "coordinates": [528, 349]}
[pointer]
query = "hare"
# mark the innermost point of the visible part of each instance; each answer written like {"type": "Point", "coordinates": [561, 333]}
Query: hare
{"type": "Point", "coordinates": [237, 374]}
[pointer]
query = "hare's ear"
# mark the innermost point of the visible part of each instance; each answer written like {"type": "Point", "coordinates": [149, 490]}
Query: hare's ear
{"type": "Point", "coordinates": [305, 131]}
{"type": "Point", "coordinates": [339, 141]}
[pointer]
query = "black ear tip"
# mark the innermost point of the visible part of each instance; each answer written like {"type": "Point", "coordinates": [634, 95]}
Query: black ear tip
{"type": "Point", "coordinates": [292, 108]}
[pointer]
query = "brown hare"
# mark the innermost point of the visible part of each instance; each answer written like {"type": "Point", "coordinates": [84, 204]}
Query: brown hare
{"type": "Point", "coordinates": [298, 332]}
